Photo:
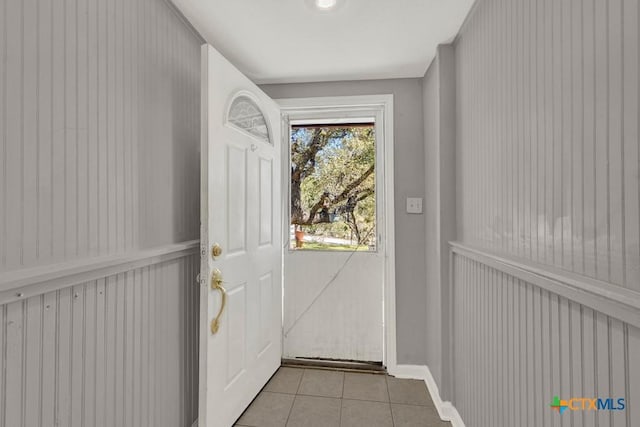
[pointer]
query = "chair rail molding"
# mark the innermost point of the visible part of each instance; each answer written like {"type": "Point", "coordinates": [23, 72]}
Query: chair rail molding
{"type": "Point", "coordinates": [615, 301]}
{"type": "Point", "coordinates": [24, 283]}
{"type": "Point", "coordinates": [119, 346]}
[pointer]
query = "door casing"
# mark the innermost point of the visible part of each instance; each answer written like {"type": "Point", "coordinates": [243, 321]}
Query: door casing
{"type": "Point", "coordinates": [381, 107]}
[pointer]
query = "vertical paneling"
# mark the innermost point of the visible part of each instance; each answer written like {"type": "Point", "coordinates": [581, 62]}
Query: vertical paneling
{"type": "Point", "coordinates": [43, 157]}
{"type": "Point", "coordinates": [70, 126]}
{"type": "Point", "coordinates": [29, 131]}
{"type": "Point", "coordinates": [74, 120]}
{"type": "Point", "coordinates": [3, 131]}
{"type": "Point", "coordinates": [77, 357]}
{"type": "Point", "coordinates": [100, 360]}
{"type": "Point", "coordinates": [631, 136]}
{"type": "Point", "coordinates": [547, 134]}
{"type": "Point", "coordinates": [3, 361]}
{"type": "Point", "coordinates": [566, 157]}
{"type": "Point", "coordinates": [91, 111]}
{"type": "Point", "coordinates": [548, 160]}
{"type": "Point", "coordinates": [58, 134]}
{"type": "Point", "coordinates": [13, 363]}
{"type": "Point", "coordinates": [528, 345]}
{"type": "Point", "coordinates": [82, 77]}
{"type": "Point", "coordinates": [13, 134]}
{"type": "Point", "coordinates": [89, 385]}
{"type": "Point", "coordinates": [615, 169]}
{"type": "Point", "coordinates": [632, 386]}
{"type": "Point", "coordinates": [99, 125]}
{"type": "Point", "coordinates": [48, 371]}
{"type": "Point", "coordinates": [55, 370]}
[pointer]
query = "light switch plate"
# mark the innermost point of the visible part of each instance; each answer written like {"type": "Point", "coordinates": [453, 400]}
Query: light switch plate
{"type": "Point", "coordinates": [414, 205]}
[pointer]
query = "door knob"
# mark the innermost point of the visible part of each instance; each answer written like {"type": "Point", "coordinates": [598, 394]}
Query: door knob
{"type": "Point", "coordinates": [216, 251]}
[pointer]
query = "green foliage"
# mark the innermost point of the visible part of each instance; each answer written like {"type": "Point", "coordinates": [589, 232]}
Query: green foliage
{"type": "Point", "coordinates": [333, 181]}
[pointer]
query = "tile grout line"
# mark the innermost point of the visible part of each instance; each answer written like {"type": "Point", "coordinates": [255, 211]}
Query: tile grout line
{"type": "Point", "coordinates": [341, 399]}
{"type": "Point", "coordinates": [300, 382]}
{"type": "Point", "coordinates": [386, 381]}
{"type": "Point", "coordinates": [295, 397]}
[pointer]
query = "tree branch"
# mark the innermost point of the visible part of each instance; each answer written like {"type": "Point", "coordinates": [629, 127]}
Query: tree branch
{"type": "Point", "coordinates": [346, 192]}
{"type": "Point", "coordinates": [322, 205]}
{"type": "Point", "coordinates": [303, 165]}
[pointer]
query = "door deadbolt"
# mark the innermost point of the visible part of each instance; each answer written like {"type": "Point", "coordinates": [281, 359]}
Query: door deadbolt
{"type": "Point", "coordinates": [216, 251]}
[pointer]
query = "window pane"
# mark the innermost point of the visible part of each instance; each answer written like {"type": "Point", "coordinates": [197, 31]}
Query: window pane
{"type": "Point", "coordinates": [333, 201]}
{"type": "Point", "coordinates": [246, 115]}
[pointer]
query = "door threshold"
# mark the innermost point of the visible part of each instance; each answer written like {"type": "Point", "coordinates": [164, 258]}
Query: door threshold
{"type": "Point", "coordinates": [337, 365]}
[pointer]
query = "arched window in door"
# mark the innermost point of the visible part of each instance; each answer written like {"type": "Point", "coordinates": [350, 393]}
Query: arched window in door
{"type": "Point", "coordinates": [245, 115]}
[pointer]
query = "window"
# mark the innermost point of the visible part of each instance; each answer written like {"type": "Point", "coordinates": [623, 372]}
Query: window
{"type": "Point", "coordinates": [245, 115]}
{"type": "Point", "coordinates": [333, 196]}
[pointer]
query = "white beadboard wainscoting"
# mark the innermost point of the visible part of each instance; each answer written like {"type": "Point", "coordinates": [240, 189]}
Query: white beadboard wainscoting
{"type": "Point", "coordinates": [104, 342]}
{"type": "Point", "coordinates": [524, 333]}
{"type": "Point", "coordinates": [99, 184]}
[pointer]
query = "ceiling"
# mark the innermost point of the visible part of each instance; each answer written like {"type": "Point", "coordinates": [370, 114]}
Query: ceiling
{"type": "Point", "coordinates": [286, 41]}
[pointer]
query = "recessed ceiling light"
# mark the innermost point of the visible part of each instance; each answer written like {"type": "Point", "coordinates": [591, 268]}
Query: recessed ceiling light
{"type": "Point", "coordinates": [325, 4]}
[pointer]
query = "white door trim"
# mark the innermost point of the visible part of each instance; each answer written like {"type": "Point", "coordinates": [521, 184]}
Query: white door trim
{"type": "Point", "coordinates": [372, 103]}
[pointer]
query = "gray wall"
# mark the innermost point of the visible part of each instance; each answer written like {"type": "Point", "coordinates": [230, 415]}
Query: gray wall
{"type": "Point", "coordinates": [440, 217]}
{"type": "Point", "coordinates": [409, 181]}
{"type": "Point", "coordinates": [99, 128]}
{"type": "Point", "coordinates": [548, 134]}
{"type": "Point", "coordinates": [547, 273]}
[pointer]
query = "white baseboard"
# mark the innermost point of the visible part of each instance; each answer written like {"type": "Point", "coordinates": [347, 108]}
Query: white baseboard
{"type": "Point", "coordinates": [415, 372]}
{"type": "Point", "coordinates": [446, 410]}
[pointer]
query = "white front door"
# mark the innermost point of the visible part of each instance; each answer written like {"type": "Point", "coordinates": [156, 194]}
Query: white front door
{"type": "Point", "coordinates": [241, 295]}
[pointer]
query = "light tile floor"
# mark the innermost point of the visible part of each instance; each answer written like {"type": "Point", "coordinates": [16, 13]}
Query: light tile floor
{"type": "Point", "coordinates": [296, 397]}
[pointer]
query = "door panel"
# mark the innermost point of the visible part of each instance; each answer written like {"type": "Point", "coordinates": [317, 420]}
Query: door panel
{"type": "Point", "coordinates": [236, 206]}
{"type": "Point", "coordinates": [341, 320]}
{"type": "Point", "coordinates": [239, 204]}
{"type": "Point", "coordinates": [236, 332]}
{"type": "Point", "coordinates": [266, 312]}
{"type": "Point", "coordinates": [266, 201]}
